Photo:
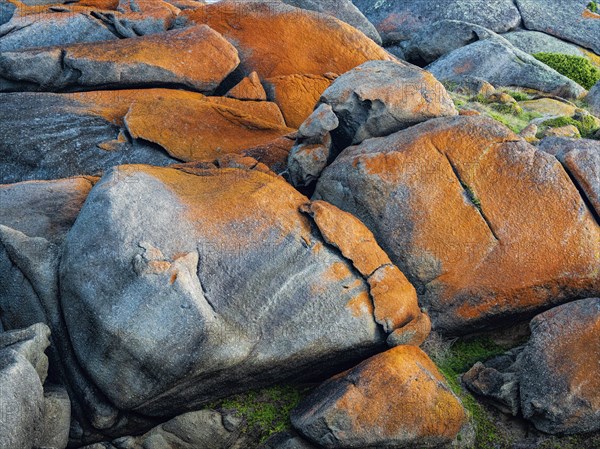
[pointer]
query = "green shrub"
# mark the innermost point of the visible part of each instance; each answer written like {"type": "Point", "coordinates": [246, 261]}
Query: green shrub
{"type": "Point", "coordinates": [577, 68]}
{"type": "Point", "coordinates": [519, 96]}
{"type": "Point", "coordinates": [586, 125]}
{"type": "Point", "coordinates": [594, 7]}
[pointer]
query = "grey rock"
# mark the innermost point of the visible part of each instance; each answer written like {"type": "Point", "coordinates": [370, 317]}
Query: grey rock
{"type": "Point", "coordinates": [471, 85]}
{"type": "Point", "coordinates": [23, 368]}
{"type": "Point", "coordinates": [401, 20]}
{"type": "Point", "coordinates": [57, 417]}
{"type": "Point", "coordinates": [500, 63]}
{"type": "Point", "coordinates": [196, 58]}
{"type": "Point", "coordinates": [7, 11]}
{"type": "Point", "coordinates": [501, 387]}
{"type": "Point", "coordinates": [183, 319]}
{"type": "Point", "coordinates": [343, 10]}
{"type": "Point", "coordinates": [378, 98]}
{"type": "Point", "coordinates": [581, 159]}
{"type": "Point", "coordinates": [567, 19]}
{"type": "Point", "coordinates": [42, 30]}
{"type": "Point", "coordinates": [537, 42]}
{"type": "Point", "coordinates": [204, 429]}
{"type": "Point", "coordinates": [52, 136]}
{"type": "Point", "coordinates": [286, 440]}
{"type": "Point", "coordinates": [440, 38]}
{"type": "Point", "coordinates": [593, 99]}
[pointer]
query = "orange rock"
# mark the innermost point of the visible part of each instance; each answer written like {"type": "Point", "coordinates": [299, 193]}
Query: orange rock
{"type": "Point", "coordinates": [275, 39]}
{"type": "Point", "coordinates": [297, 95]}
{"type": "Point", "coordinates": [394, 399]}
{"type": "Point", "coordinates": [250, 88]}
{"type": "Point", "coordinates": [197, 58]}
{"type": "Point", "coordinates": [485, 226]}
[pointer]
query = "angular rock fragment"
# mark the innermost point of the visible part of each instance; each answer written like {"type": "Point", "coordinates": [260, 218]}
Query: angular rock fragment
{"type": "Point", "coordinates": [250, 88]}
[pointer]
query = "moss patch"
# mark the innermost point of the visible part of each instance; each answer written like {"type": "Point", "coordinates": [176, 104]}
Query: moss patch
{"type": "Point", "coordinates": [587, 126]}
{"type": "Point", "coordinates": [265, 411]}
{"type": "Point", "coordinates": [594, 7]}
{"type": "Point", "coordinates": [577, 68]}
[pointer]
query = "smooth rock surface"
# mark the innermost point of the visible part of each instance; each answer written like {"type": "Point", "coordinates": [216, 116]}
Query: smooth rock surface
{"type": "Point", "coordinates": [593, 99]}
{"type": "Point", "coordinates": [441, 197]}
{"type": "Point", "coordinates": [500, 63]}
{"type": "Point", "coordinates": [401, 20]}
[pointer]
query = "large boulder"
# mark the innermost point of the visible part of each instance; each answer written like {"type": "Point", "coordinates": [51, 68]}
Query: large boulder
{"type": "Point", "coordinates": [567, 19]}
{"type": "Point", "coordinates": [553, 380]}
{"type": "Point", "coordinates": [470, 212]}
{"type": "Point", "coordinates": [375, 99]}
{"type": "Point", "coordinates": [179, 287]}
{"type": "Point", "coordinates": [343, 10]}
{"type": "Point", "coordinates": [581, 159]}
{"type": "Point", "coordinates": [533, 42]}
{"type": "Point", "coordinates": [500, 63]}
{"type": "Point", "coordinates": [51, 136]}
{"type": "Point", "coordinates": [593, 99]}
{"type": "Point", "coordinates": [440, 38]}
{"type": "Point", "coordinates": [397, 399]}
{"type": "Point", "coordinates": [196, 58]}
{"type": "Point", "coordinates": [398, 21]}
{"type": "Point", "coordinates": [307, 42]}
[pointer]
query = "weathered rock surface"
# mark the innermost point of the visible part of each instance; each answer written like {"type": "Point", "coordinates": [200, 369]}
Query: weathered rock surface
{"type": "Point", "coordinates": [382, 97]}
{"type": "Point", "coordinates": [23, 369]}
{"type": "Point", "coordinates": [175, 313]}
{"type": "Point", "coordinates": [567, 19]}
{"type": "Point", "coordinates": [441, 198]}
{"type": "Point", "coordinates": [440, 38]}
{"type": "Point", "coordinates": [397, 399]}
{"type": "Point", "coordinates": [593, 99]}
{"type": "Point", "coordinates": [50, 136]}
{"type": "Point", "coordinates": [297, 95]}
{"type": "Point", "coordinates": [553, 379]}
{"type": "Point", "coordinates": [57, 418]}
{"type": "Point", "coordinates": [399, 21]}
{"type": "Point", "coordinates": [195, 58]}
{"type": "Point", "coordinates": [308, 42]}
{"type": "Point", "coordinates": [33, 27]}
{"type": "Point", "coordinates": [497, 61]}
{"type": "Point", "coordinates": [286, 440]}
{"type": "Point", "coordinates": [343, 10]}
{"type": "Point", "coordinates": [581, 159]}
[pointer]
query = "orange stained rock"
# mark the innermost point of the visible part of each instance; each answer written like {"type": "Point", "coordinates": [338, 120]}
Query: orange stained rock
{"type": "Point", "coordinates": [297, 95]}
{"type": "Point", "coordinates": [396, 394]}
{"type": "Point", "coordinates": [250, 88]}
{"type": "Point", "coordinates": [275, 39]}
{"type": "Point", "coordinates": [198, 129]}
{"type": "Point", "coordinates": [197, 54]}
{"type": "Point", "coordinates": [587, 14]}
{"type": "Point", "coordinates": [496, 226]}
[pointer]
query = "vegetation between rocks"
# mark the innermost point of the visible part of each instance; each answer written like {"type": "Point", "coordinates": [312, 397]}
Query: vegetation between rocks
{"type": "Point", "coordinates": [577, 68]}
{"type": "Point", "coordinates": [594, 7]}
{"type": "Point", "coordinates": [586, 125]}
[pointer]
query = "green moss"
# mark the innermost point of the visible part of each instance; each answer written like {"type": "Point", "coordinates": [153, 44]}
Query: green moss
{"type": "Point", "coordinates": [594, 7]}
{"type": "Point", "coordinates": [519, 96]}
{"type": "Point", "coordinates": [577, 68]}
{"type": "Point", "coordinates": [586, 125]}
{"type": "Point", "coordinates": [266, 411]}
{"type": "Point", "coordinates": [508, 108]}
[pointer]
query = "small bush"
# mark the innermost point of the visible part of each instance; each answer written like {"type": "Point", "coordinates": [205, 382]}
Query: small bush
{"type": "Point", "coordinates": [577, 68]}
{"type": "Point", "coordinates": [586, 125]}
{"type": "Point", "coordinates": [594, 7]}
{"type": "Point", "coordinates": [519, 96]}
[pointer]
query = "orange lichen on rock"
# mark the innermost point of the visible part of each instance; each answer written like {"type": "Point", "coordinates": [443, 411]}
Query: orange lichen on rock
{"type": "Point", "coordinates": [297, 95]}
{"type": "Point", "coordinates": [394, 399]}
{"type": "Point", "coordinates": [250, 88]}
{"type": "Point", "coordinates": [307, 42]}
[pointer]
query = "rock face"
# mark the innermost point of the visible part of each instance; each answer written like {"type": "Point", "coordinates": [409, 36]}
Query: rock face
{"type": "Point", "coordinates": [500, 63]}
{"type": "Point", "coordinates": [49, 136]}
{"type": "Point", "coordinates": [552, 379]}
{"type": "Point", "coordinates": [399, 21]}
{"type": "Point", "coordinates": [440, 38]}
{"type": "Point", "coordinates": [343, 10]}
{"type": "Point", "coordinates": [536, 42]}
{"type": "Point", "coordinates": [397, 399]}
{"type": "Point", "coordinates": [195, 58]}
{"type": "Point", "coordinates": [440, 197]}
{"type": "Point", "coordinates": [382, 97]}
{"type": "Point", "coordinates": [308, 42]}
{"type": "Point", "coordinates": [593, 99]}
{"type": "Point", "coordinates": [569, 20]}
{"type": "Point", "coordinates": [175, 313]}
{"type": "Point", "coordinates": [250, 88]}
{"type": "Point", "coordinates": [581, 159]}
{"type": "Point", "coordinates": [23, 370]}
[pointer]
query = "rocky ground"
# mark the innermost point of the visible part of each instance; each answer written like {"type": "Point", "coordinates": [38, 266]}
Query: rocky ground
{"type": "Point", "coordinates": [299, 224]}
